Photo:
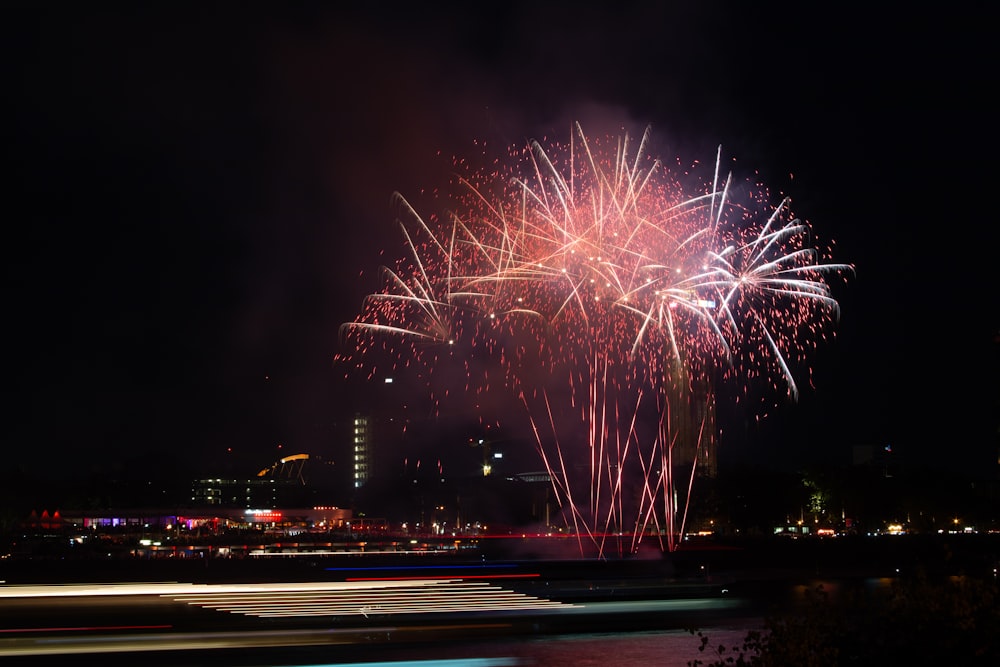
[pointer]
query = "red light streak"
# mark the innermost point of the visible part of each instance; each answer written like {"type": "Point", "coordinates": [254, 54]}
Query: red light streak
{"type": "Point", "coordinates": [450, 578]}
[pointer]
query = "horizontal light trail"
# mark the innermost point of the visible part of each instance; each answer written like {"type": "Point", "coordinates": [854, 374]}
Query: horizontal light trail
{"type": "Point", "coordinates": [174, 588]}
{"type": "Point", "coordinates": [353, 598]}
{"type": "Point", "coordinates": [411, 568]}
{"type": "Point", "coordinates": [531, 575]}
{"type": "Point", "coordinates": [188, 641]}
{"type": "Point", "coordinates": [430, 596]}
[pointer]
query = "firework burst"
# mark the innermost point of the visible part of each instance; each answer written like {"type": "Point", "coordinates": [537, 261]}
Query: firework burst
{"type": "Point", "coordinates": [612, 303]}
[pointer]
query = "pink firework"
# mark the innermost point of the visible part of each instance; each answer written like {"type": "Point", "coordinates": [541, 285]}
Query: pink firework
{"type": "Point", "coordinates": [613, 303]}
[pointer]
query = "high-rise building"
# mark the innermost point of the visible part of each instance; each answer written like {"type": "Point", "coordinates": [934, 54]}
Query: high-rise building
{"type": "Point", "coordinates": [363, 462]}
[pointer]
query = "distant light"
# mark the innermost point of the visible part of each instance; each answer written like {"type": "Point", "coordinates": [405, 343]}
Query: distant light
{"type": "Point", "coordinates": [388, 380]}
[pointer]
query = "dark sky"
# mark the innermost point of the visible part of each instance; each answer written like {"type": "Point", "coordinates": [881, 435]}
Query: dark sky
{"type": "Point", "coordinates": [197, 196]}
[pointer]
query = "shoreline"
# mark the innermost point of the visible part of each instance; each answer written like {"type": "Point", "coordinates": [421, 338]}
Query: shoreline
{"type": "Point", "coordinates": [701, 561]}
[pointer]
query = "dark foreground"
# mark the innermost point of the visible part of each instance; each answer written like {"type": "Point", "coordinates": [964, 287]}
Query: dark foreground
{"type": "Point", "coordinates": [302, 610]}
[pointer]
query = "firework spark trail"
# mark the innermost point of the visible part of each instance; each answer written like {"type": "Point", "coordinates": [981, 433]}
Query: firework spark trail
{"type": "Point", "coordinates": [591, 268]}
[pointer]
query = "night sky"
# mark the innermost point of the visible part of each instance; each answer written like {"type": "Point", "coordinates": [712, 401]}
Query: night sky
{"type": "Point", "coordinates": [197, 196]}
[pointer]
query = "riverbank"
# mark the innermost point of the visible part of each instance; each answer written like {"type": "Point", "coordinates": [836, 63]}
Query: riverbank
{"type": "Point", "coordinates": [701, 561]}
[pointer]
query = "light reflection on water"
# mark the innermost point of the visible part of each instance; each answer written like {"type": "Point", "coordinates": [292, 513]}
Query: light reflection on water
{"type": "Point", "coordinates": [665, 649]}
{"type": "Point", "coordinates": [670, 648]}
{"type": "Point", "coordinates": [834, 589]}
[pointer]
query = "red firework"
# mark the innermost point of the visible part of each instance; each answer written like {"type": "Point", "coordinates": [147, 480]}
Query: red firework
{"type": "Point", "coordinates": [614, 303]}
